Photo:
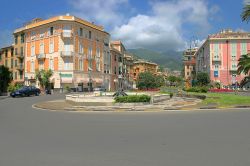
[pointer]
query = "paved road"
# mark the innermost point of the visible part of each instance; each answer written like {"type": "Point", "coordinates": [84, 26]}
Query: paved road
{"type": "Point", "coordinates": [30, 137]}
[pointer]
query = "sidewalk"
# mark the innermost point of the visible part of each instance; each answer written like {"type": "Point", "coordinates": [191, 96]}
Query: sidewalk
{"type": "Point", "coordinates": [3, 97]}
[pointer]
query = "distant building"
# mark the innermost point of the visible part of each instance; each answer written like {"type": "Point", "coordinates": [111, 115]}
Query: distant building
{"type": "Point", "coordinates": [140, 66]}
{"type": "Point", "coordinates": [189, 62]}
{"type": "Point", "coordinates": [219, 56]}
{"type": "Point", "coordinates": [11, 59]}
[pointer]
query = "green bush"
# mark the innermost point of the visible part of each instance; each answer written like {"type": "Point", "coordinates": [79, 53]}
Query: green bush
{"type": "Point", "coordinates": [132, 99]}
{"type": "Point", "coordinates": [14, 87]}
{"type": "Point", "coordinates": [197, 89]}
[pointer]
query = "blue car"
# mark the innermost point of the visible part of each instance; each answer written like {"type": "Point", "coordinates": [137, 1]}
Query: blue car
{"type": "Point", "coordinates": [26, 91]}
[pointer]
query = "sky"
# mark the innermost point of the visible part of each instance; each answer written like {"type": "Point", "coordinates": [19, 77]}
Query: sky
{"type": "Point", "coordinates": [159, 25]}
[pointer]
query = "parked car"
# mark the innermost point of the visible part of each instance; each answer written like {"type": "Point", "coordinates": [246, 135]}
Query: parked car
{"type": "Point", "coordinates": [99, 89]}
{"type": "Point", "coordinates": [26, 91]}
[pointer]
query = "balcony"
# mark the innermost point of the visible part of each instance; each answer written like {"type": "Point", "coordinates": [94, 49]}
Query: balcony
{"type": "Point", "coordinates": [216, 59]}
{"type": "Point", "coordinates": [66, 34]}
{"type": "Point", "coordinates": [233, 68]}
{"type": "Point", "coordinates": [20, 56]}
{"type": "Point", "coordinates": [41, 56]}
{"type": "Point", "coordinates": [20, 67]}
{"type": "Point", "coordinates": [67, 53]}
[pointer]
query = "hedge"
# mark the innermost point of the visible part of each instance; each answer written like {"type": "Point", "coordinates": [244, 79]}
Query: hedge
{"type": "Point", "coordinates": [132, 99]}
{"type": "Point", "coordinates": [197, 89]}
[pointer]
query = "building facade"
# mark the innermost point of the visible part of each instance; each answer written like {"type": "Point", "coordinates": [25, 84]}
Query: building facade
{"type": "Point", "coordinates": [117, 51]}
{"type": "Point", "coordinates": [219, 56]}
{"type": "Point", "coordinates": [189, 62]}
{"type": "Point", "coordinates": [75, 50]}
{"type": "Point", "coordinates": [140, 66]}
{"type": "Point", "coordinates": [9, 58]}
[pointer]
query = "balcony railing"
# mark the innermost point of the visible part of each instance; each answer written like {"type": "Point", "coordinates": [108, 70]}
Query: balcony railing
{"type": "Point", "coordinates": [66, 34]}
{"type": "Point", "coordinates": [67, 53]}
{"type": "Point", "coordinates": [216, 59]}
{"type": "Point", "coordinates": [21, 56]}
{"type": "Point", "coordinates": [41, 56]}
{"type": "Point", "coordinates": [20, 67]}
{"type": "Point", "coordinates": [233, 68]}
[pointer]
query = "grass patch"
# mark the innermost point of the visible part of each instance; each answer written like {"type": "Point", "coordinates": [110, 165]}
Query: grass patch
{"type": "Point", "coordinates": [225, 100]}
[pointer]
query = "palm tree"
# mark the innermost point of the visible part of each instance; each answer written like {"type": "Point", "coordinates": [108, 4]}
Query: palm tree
{"type": "Point", "coordinates": [43, 76]}
{"type": "Point", "coordinates": [244, 64]}
{"type": "Point", "coordinates": [245, 15]}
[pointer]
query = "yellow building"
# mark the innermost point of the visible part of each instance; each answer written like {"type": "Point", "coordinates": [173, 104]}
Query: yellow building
{"type": "Point", "coordinates": [76, 50]}
{"type": "Point", "coordinates": [141, 66]}
{"type": "Point", "coordinates": [8, 58]}
{"type": "Point", "coordinates": [189, 62]}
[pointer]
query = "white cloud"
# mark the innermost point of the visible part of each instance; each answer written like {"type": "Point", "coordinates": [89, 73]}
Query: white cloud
{"type": "Point", "coordinates": [165, 27]}
{"type": "Point", "coordinates": [103, 12]}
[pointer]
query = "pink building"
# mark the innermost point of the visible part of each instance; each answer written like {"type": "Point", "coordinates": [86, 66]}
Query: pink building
{"type": "Point", "coordinates": [219, 55]}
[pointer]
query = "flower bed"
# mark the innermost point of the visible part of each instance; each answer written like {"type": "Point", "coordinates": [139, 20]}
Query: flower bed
{"type": "Point", "coordinates": [221, 90]}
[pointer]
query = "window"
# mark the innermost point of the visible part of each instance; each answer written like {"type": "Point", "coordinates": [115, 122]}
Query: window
{"type": "Point", "coordinates": [22, 38]}
{"type": "Point", "coordinates": [15, 63]}
{"type": "Point", "coordinates": [216, 67]}
{"type": "Point", "coordinates": [41, 49]}
{"type": "Point", "coordinates": [243, 48]}
{"type": "Point", "coordinates": [12, 52]}
{"type": "Point", "coordinates": [21, 75]}
{"type": "Point", "coordinates": [41, 66]}
{"type": "Point", "coordinates": [233, 50]}
{"type": "Point", "coordinates": [16, 51]}
{"type": "Point", "coordinates": [41, 33]}
{"type": "Point", "coordinates": [80, 64]}
{"type": "Point", "coordinates": [11, 63]}
{"type": "Point", "coordinates": [15, 75]}
{"type": "Point", "coordinates": [33, 35]}
{"type": "Point", "coordinates": [89, 34]}
{"type": "Point", "coordinates": [188, 73]}
{"type": "Point", "coordinates": [98, 67]}
{"type": "Point", "coordinates": [16, 39]}
{"type": "Point", "coordinates": [90, 52]}
{"type": "Point", "coordinates": [32, 67]}
{"type": "Point", "coordinates": [120, 59]}
{"type": "Point", "coordinates": [80, 48]}
{"type": "Point", "coordinates": [51, 46]}
{"type": "Point", "coordinates": [187, 66]}
{"type": "Point", "coordinates": [115, 57]}
{"type": "Point", "coordinates": [22, 52]}
{"type": "Point", "coordinates": [33, 50]}
{"type": "Point", "coordinates": [51, 31]}
{"type": "Point", "coordinates": [66, 64]}
{"type": "Point", "coordinates": [51, 64]}
{"type": "Point", "coordinates": [80, 33]}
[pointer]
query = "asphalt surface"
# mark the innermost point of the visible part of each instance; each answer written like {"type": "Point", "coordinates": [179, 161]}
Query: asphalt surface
{"type": "Point", "coordinates": [30, 137]}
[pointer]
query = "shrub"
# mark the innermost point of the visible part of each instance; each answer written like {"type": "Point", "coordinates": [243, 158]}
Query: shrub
{"type": "Point", "coordinates": [132, 99]}
{"type": "Point", "coordinates": [171, 94]}
{"type": "Point", "coordinates": [67, 88]}
{"type": "Point", "coordinates": [197, 89]}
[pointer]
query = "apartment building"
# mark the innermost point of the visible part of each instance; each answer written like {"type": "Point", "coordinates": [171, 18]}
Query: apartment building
{"type": "Point", "coordinates": [75, 50]}
{"type": "Point", "coordinates": [219, 56]}
{"type": "Point", "coordinates": [189, 62]}
{"type": "Point", "coordinates": [9, 59]}
{"type": "Point", "coordinates": [140, 66]}
{"type": "Point", "coordinates": [117, 51]}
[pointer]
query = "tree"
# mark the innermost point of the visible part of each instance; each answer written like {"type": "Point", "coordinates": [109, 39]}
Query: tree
{"type": "Point", "coordinates": [203, 79]}
{"type": "Point", "coordinates": [174, 80]}
{"type": "Point", "coordinates": [147, 80]}
{"type": "Point", "coordinates": [5, 77]}
{"type": "Point", "coordinates": [245, 15]}
{"type": "Point", "coordinates": [43, 76]}
{"type": "Point", "coordinates": [244, 64]}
